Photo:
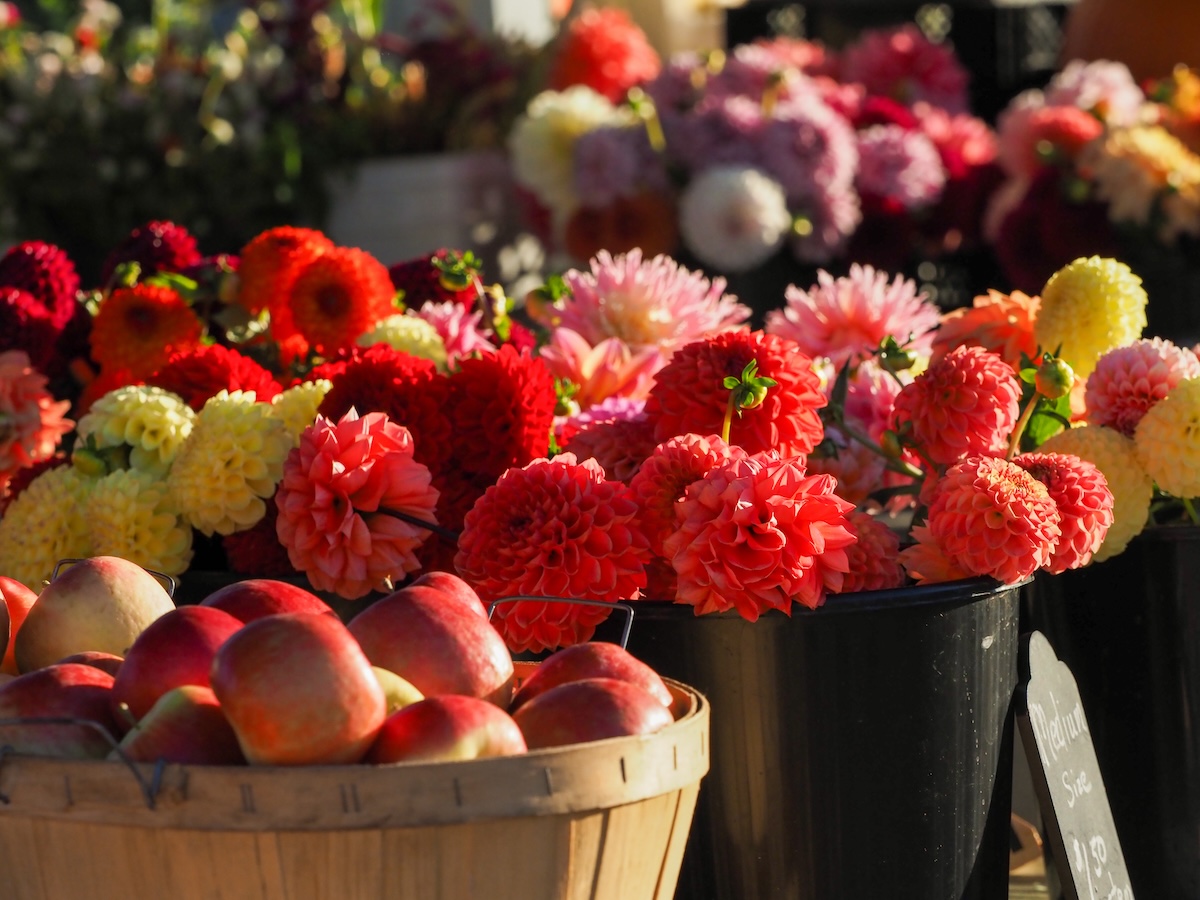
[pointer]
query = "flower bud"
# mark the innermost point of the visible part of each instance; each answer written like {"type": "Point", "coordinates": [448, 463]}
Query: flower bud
{"type": "Point", "coordinates": [752, 395]}
{"type": "Point", "coordinates": [1055, 377]}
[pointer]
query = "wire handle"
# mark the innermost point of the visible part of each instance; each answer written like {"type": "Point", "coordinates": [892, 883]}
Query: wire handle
{"type": "Point", "coordinates": [149, 788]}
{"type": "Point", "coordinates": [168, 582]}
{"type": "Point", "coordinates": [624, 607]}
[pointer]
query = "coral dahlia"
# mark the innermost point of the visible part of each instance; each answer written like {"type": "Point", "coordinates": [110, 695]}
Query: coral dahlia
{"type": "Point", "coordinates": [553, 528]}
{"type": "Point", "coordinates": [1129, 380]}
{"type": "Point", "coordinates": [874, 559]}
{"type": "Point", "coordinates": [619, 445]}
{"type": "Point", "coordinates": [1001, 323]}
{"type": "Point", "coordinates": [31, 420]}
{"type": "Point", "coordinates": [138, 328]}
{"type": "Point", "coordinates": [1085, 505]}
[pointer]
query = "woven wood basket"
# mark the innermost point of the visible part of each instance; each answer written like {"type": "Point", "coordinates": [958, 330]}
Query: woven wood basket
{"type": "Point", "coordinates": [606, 820]}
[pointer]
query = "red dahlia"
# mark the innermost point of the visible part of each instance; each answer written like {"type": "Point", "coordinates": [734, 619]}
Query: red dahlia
{"type": "Point", "coordinates": [689, 394]}
{"type": "Point", "coordinates": [26, 324]}
{"type": "Point", "coordinates": [421, 282]}
{"type": "Point", "coordinates": [605, 50]}
{"type": "Point", "coordinates": [46, 272]}
{"type": "Point", "coordinates": [619, 445]}
{"type": "Point", "coordinates": [156, 247]}
{"type": "Point", "coordinates": [200, 372]}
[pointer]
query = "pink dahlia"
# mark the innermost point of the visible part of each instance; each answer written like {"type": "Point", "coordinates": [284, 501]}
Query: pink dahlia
{"type": "Point", "coordinates": [1001, 323]}
{"type": "Point", "coordinates": [1104, 88]}
{"type": "Point", "coordinates": [1085, 505]}
{"type": "Point", "coordinates": [847, 318]}
{"type": "Point", "coordinates": [203, 371]}
{"type": "Point", "coordinates": [966, 402]}
{"type": "Point", "coordinates": [619, 445]}
{"type": "Point", "coordinates": [903, 64]}
{"type": "Point", "coordinates": [874, 558]}
{"type": "Point", "coordinates": [689, 394]}
{"type": "Point", "coordinates": [553, 528]}
{"type": "Point", "coordinates": [900, 166]}
{"type": "Point", "coordinates": [664, 477]}
{"type": "Point", "coordinates": [991, 517]}
{"type": "Point", "coordinates": [334, 500]}
{"type": "Point", "coordinates": [605, 50]}
{"type": "Point", "coordinates": [759, 534]}
{"type": "Point", "coordinates": [871, 397]}
{"type": "Point", "coordinates": [1129, 380]}
{"type": "Point", "coordinates": [46, 272]}
{"type": "Point", "coordinates": [653, 303]}
{"type": "Point", "coordinates": [609, 369]}
{"type": "Point", "coordinates": [459, 327]}
{"type": "Point", "coordinates": [31, 420]}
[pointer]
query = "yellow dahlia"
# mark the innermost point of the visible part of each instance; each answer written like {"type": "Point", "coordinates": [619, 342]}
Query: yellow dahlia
{"type": "Point", "coordinates": [410, 334]}
{"type": "Point", "coordinates": [1089, 307]}
{"type": "Point", "coordinates": [297, 406]}
{"type": "Point", "coordinates": [45, 523]}
{"type": "Point", "coordinates": [130, 514]}
{"type": "Point", "coordinates": [1116, 457]}
{"type": "Point", "coordinates": [229, 464]}
{"type": "Point", "coordinates": [152, 422]}
{"type": "Point", "coordinates": [1168, 440]}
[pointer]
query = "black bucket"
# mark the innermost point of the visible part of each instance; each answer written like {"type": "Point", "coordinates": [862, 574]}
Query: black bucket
{"type": "Point", "coordinates": [860, 751]}
{"type": "Point", "coordinates": [1129, 629]}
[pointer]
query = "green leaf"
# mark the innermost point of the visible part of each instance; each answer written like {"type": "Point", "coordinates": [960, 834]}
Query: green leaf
{"type": "Point", "coordinates": [731, 382]}
{"type": "Point", "coordinates": [1029, 376]}
{"type": "Point", "coordinates": [1049, 418]}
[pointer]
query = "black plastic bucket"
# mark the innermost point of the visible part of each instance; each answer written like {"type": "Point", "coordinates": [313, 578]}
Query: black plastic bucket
{"type": "Point", "coordinates": [1129, 629]}
{"type": "Point", "coordinates": [860, 751]}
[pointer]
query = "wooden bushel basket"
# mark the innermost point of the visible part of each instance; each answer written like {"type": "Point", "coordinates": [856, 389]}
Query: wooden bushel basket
{"type": "Point", "coordinates": [605, 820]}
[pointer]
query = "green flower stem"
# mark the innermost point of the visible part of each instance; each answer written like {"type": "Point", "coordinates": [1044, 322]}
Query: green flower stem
{"type": "Point", "coordinates": [1014, 442]}
{"type": "Point", "coordinates": [1190, 508]}
{"type": "Point", "coordinates": [728, 423]}
{"type": "Point", "coordinates": [444, 533]}
{"type": "Point", "coordinates": [896, 465]}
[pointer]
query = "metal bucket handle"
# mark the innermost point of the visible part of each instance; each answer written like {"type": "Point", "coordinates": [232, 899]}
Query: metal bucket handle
{"type": "Point", "coordinates": [168, 582]}
{"type": "Point", "coordinates": [624, 607]}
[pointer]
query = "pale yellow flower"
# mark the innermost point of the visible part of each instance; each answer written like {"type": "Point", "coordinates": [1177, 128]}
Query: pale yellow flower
{"type": "Point", "coordinates": [1168, 440]}
{"type": "Point", "coordinates": [409, 334]}
{"type": "Point", "coordinates": [297, 406]}
{"type": "Point", "coordinates": [152, 422]}
{"type": "Point", "coordinates": [130, 514]}
{"type": "Point", "coordinates": [46, 523]}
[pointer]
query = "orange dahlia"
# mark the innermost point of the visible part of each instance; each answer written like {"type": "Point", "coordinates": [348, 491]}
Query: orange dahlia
{"type": "Point", "coordinates": [554, 528]}
{"type": "Point", "coordinates": [991, 517]}
{"type": "Point", "coordinates": [874, 559]}
{"type": "Point", "coordinates": [339, 296]}
{"type": "Point", "coordinates": [270, 262]}
{"type": "Point", "coordinates": [1002, 323]}
{"type": "Point", "coordinates": [1085, 505]}
{"type": "Point", "coordinates": [138, 328]}
{"type": "Point", "coordinates": [966, 402]}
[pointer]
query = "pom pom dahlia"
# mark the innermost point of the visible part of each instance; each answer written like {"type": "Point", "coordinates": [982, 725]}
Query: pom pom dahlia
{"type": "Point", "coordinates": [1168, 440]}
{"type": "Point", "coordinates": [554, 528]}
{"type": "Point", "coordinates": [156, 247]}
{"type": "Point", "coordinates": [1129, 380]}
{"type": "Point", "coordinates": [199, 372]}
{"type": "Point", "coordinates": [966, 402]}
{"type": "Point", "coordinates": [31, 420]}
{"type": "Point", "coordinates": [46, 272]}
{"type": "Point", "coordinates": [130, 514]}
{"type": "Point", "coordinates": [689, 393]}
{"type": "Point", "coordinates": [991, 517]}
{"type": "Point", "coordinates": [138, 328]}
{"type": "Point", "coordinates": [759, 534]}
{"type": "Point", "coordinates": [339, 296]}
{"type": "Point", "coordinates": [605, 50]}
{"type": "Point", "coordinates": [618, 445]}
{"type": "Point", "coordinates": [44, 524]}
{"type": "Point", "coordinates": [873, 559]}
{"type": "Point", "coordinates": [733, 218]}
{"type": "Point", "coordinates": [1085, 505]}
{"type": "Point", "coordinates": [297, 406]}
{"type": "Point", "coordinates": [229, 464]}
{"type": "Point", "coordinates": [334, 500]}
{"type": "Point", "coordinates": [269, 264]}
{"type": "Point", "coordinates": [151, 422]}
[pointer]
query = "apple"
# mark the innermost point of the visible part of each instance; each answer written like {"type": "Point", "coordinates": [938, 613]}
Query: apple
{"type": "Point", "coordinates": [102, 603]}
{"type": "Point", "coordinates": [257, 597]}
{"type": "Point", "coordinates": [175, 649]}
{"type": "Point", "coordinates": [439, 644]}
{"type": "Point", "coordinates": [298, 690]}
{"type": "Point", "coordinates": [449, 727]}
{"type": "Point", "coordinates": [68, 690]}
{"type": "Point", "coordinates": [17, 600]}
{"type": "Point", "coordinates": [397, 691]}
{"type": "Point", "coordinates": [590, 710]}
{"type": "Point", "coordinates": [594, 659]}
{"type": "Point", "coordinates": [105, 662]}
{"type": "Point", "coordinates": [185, 725]}
{"type": "Point", "coordinates": [452, 586]}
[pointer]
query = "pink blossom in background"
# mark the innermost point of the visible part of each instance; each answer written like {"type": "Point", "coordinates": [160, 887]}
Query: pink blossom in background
{"type": "Point", "coordinates": [832, 218]}
{"type": "Point", "coordinates": [809, 149]}
{"type": "Point", "coordinates": [459, 327]}
{"type": "Point", "coordinates": [903, 64]}
{"type": "Point", "coordinates": [899, 165]}
{"type": "Point", "coordinates": [1101, 87]}
{"type": "Point", "coordinates": [616, 162]}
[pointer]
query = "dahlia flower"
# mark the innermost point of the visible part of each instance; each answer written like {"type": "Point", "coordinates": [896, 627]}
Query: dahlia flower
{"type": "Point", "coordinates": [1166, 440]}
{"type": "Point", "coordinates": [27, 324]}
{"type": "Point", "coordinates": [824, 225]}
{"type": "Point", "coordinates": [759, 534]}
{"type": "Point", "coordinates": [689, 393]}
{"type": "Point", "coordinates": [334, 500]}
{"type": "Point", "coordinates": [874, 559]}
{"type": "Point", "coordinates": [46, 272]}
{"type": "Point", "coordinates": [151, 422]}
{"type": "Point", "coordinates": [138, 328]}
{"type": "Point", "coordinates": [297, 406]}
{"type": "Point", "coordinates": [1101, 87]}
{"type": "Point", "coordinates": [904, 64]}
{"type": "Point", "coordinates": [409, 333]}
{"type": "Point", "coordinates": [339, 296]}
{"type": "Point", "coordinates": [1116, 457]}
{"type": "Point", "coordinates": [733, 218]}
{"type": "Point", "coordinates": [611, 163]}
{"type": "Point", "coordinates": [809, 149]}
{"type": "Point", "coordinates": [845, 319]}
{"type": "Point", "coordinates": [1129, 380]}
{"type": "Point", "coordinates": [158, 246]}
{"type": "Point", "coordinates": [965, 403]}
{"type": "Point", "coordinates": [553, 528]}
{"type": "Point", "coordinates": [31, 420]}
{"type": "Point", "coordinates": [1085, 505]}
{"type": "Point", "coordinates": [859, 470]}
{"type": "Point", "coordinates": [130, 514]}
{"type": "Point", "coordinates": [619, 445]}
{"type": "Point", "coordinates": [197, 373]}
{"type": "Point", "coordinates": [45, 523]}
{"type": "Point", "coordinates": [1001, 323]}
{"type": "Point", "coordinates": [991, 517]}
{"type": "Point", "coordinates": [605, 50]}
{"type": "Point", "coordinates": [610, 369]}
{"type": "Point", "coordinates": [256, 552]}
{"type": "Point", "coordinates": [229, 464]}
{"type": "Point", "coordinates": [269, 264]}
{"type": "Point", "coordinates": [899, 166]}
{"type": "Point", "coordinates": [664, 476]}
{"type": "Point", "coordinates": [1088, 308]}
{"type": "Point", "coordinates": [459, 327]}
{"type": "Point", "coordinates": [419, 281]}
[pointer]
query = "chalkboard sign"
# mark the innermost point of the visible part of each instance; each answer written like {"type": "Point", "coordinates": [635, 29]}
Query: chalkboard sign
{"type": "Point", "coordinates": [1067, 779]}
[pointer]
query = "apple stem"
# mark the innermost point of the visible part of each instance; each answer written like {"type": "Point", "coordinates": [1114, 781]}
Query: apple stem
{"type": "Point", "coordinates": [444, 533]}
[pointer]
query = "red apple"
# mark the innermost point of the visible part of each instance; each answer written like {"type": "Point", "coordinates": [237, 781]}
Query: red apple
{"type": "Point", "coordinates": [453, 587]}
{"type": "Point", "coordinates": [17, 600]}
{"type": "Point", "coordinates": [448, 727]}
{"type": "Point", "coordinates": [176, 649]}
{"type": "Point", "coordinates": [186, 725]}
{"type": "Point", "coordinates": [439, 644]}
{"type": "Point", "coordinates": [69, 690]}
{"type": "Point", "coordinates": [595, 659]}
{"type": "Point", "coordinates": [590, 710]}
{"type": "Point", "coordinates": [257, 597]}
{"type": "Point", "coordinates": [298, 690]}
{"type": "Point", "coordinates": [105, 662]}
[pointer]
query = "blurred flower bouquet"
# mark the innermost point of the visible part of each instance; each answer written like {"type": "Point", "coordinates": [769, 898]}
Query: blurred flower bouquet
{"type": "Point", "coordinates": [780, 148]}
